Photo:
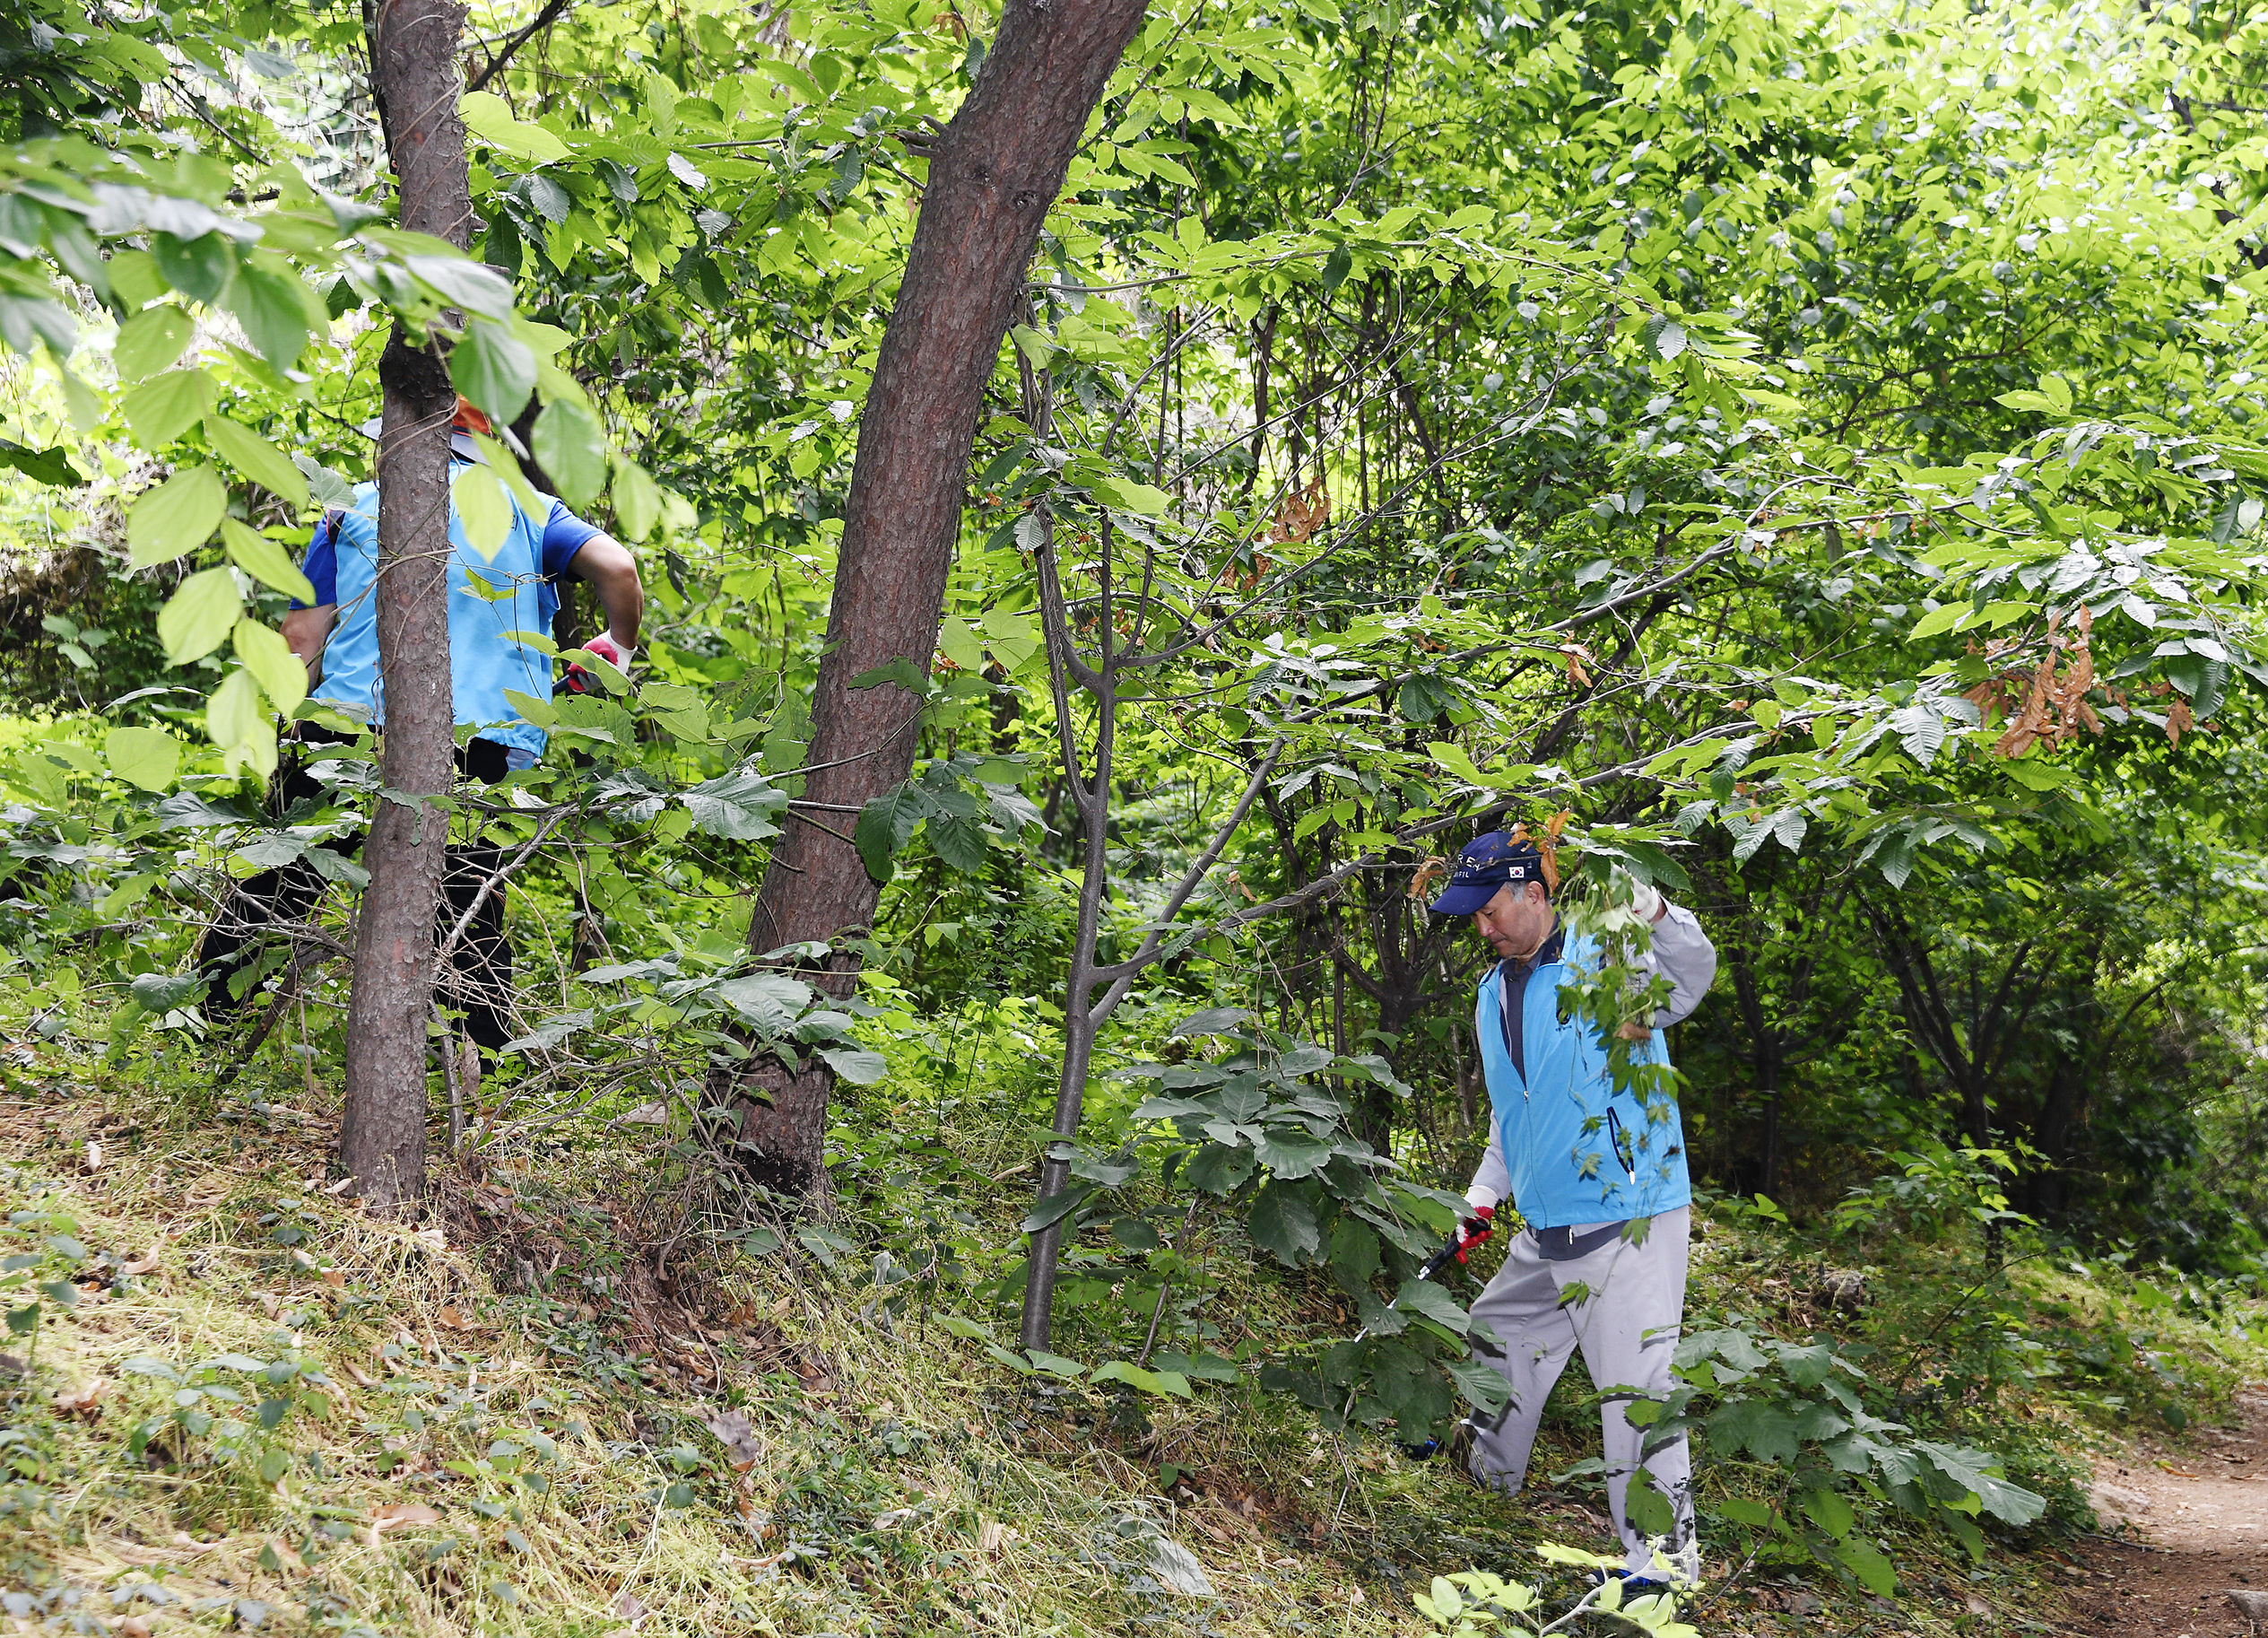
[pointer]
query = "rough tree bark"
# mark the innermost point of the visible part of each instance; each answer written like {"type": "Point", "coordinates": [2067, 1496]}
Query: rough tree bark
{"type": "Point", "coordinates": [993, 174]}
{"type": "Point", "coordinates": [414, 79]}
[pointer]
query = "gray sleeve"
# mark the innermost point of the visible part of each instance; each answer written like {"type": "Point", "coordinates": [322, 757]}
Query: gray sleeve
{"type": "Point", "coordinates": [1683, 955]}
{"type": "Point", "coordinates": [1491, 1185]}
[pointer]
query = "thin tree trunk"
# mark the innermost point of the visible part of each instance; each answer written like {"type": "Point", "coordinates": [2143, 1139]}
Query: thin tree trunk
{"type": "Point", "coordinates": [413, 80]}
{"type": "Point", "coordinates": [995, 171]}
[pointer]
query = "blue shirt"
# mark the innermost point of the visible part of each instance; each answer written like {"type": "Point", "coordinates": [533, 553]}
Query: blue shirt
{"type": "Point", "coordinates": [515, 592]}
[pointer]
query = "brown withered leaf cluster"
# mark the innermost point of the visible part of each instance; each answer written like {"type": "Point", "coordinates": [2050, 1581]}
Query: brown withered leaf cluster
{"type": "Point", "coordinates": [2054, 692]}
{"type": "Point", "coordinates": [1302, 514]}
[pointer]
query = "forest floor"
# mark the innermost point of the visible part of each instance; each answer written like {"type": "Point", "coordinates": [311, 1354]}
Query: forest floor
{"type": "Point", "coordinates": [766, 1456]}
{"type": "Point", "coordinates": [2191, 1525]}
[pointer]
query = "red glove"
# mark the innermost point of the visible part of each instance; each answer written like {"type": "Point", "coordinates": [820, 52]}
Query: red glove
{"type": "Point", "coordinates": [1474, 1229]}
{"type": "Point", "coordinates": [581, 681]}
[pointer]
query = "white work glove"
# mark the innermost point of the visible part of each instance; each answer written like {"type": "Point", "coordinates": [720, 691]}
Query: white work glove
{"type": "Point", "coordinates": [1646, 903]}
{"type": "Point", "coordinates": [1479, 1199]}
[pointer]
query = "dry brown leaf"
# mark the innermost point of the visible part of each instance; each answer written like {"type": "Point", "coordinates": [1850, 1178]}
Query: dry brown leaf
{"type": "Point", "coordinates": [989, 1538]}
{"type": "Point", "coordinates": [335, 1277]}
{"type": "Point", "coordinates": [147, 1263]}
{"type": "Point", "coordinates": [448, 1319]}
{"type": "Point", "coordinates": [1429, 873]}
{"type": "Point", "coordinates": [361, 1377]}
{"type": "Point", "coordinates": [270, 1303]}
{"type": "Point", "coordinates": [82, 1400]}
{"type": "Point", "coordinates": [432, 1238]}
{"type": "Point", "coordinates": [395, 1514]}
{"type": "Point", "coordinates": [2178, 719]}
{"type": "Point", "coordinates": [133, 1626]}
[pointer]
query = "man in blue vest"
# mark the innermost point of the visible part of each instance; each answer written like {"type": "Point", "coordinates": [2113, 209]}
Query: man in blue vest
{"type": "Point", "coordinates": [490, 600]}
{"type": "Point", "coordinates": [1598, 1176]}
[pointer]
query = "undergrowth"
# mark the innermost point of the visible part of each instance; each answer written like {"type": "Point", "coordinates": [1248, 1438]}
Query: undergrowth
{"type": "Point", "coordinates": [594, 1394]}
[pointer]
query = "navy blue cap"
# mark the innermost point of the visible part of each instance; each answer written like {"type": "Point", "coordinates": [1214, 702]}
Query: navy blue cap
{"type": "Point", "coordinates": [1485, 864]}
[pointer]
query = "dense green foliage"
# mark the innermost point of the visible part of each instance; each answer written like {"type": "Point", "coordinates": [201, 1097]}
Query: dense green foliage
{"type": "Point", "coordinates": [1802, 459]}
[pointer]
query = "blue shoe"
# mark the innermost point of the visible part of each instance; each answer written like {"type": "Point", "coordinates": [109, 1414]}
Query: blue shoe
{"type": "Point", "coordinates": [1633, 1586]}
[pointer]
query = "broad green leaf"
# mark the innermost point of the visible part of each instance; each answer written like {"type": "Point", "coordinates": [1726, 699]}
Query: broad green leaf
{"type": "Point", "coordinates": [197, 618]}
{"type": "Point", "coordinates": [280, 674]}
{"type": "Point", "coordinates": [200, 268]}
{"type": "Point", "coordinates": [271, 302]}
{"type": "Point", "coordinates": [257, 458]}
{"type": "Point", "coordinates": [1283, 1222]}
{"type": "Point", "coordinates": [265, 561]}
{"type": "Point", "coordinates": [477, 496]}
{"type": "Point", "coordinates": [150, 341]}
{"type": "Point", "coordinates": [238, 725]}
{"type": "Point", "coordinates": [178, 516]}
{"type": "Point", "coordinates": [885, 825]}
{"type": "Point", "coordinates": [1875, 1572]}
{"type": "Point", "coordinates": [144, 757]}
{"type": "Point", "coordinates": [163, 408]}
{"type": "Point", "coordinates": [1129, 496]}
{"type": "Point", "coordinates": [463, 282]}
{"type": "Point", "coordinates": [959, 644]}
{"type": "Point", "coordinates": [494, 368]}
{"type": "Point", "coordinates": [500, 461]}
{"type": "Point", "coordinates": [571, 449]}
{"type": "Point", "coordinates": [637, 500]}
{"type": "Point", "coordinates": [487, 116]}
{"type": "Point", "coordinates": [1160, 1383]}
{"type": "Point", "coordinates": [1828, 1511]}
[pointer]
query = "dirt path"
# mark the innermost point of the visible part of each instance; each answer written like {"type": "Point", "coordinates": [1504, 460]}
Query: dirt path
{"type": "Point", "coordinates": [2200, 1521]}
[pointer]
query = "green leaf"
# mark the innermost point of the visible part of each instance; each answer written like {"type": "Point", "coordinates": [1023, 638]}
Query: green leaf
{"type": "Point", "coordinates": [638, 501]}
{"type": "Point", "coordinates": [197, 618]}
{"type": "Point", "coordinates": [1829, 1511]}
{"type": "Point", "coordinates": [239, 726]}
{"type": "Point", "coordinates": [1056, 1364]}
{"type": "Point", "coordinates": [1129, 496]}
{"type": "Point", "coordinates": [477, 496]}
{"type": "Point", "coordinates": [494, 369]}
{"type": "Point", "coordinates": [885, 825]}
{"type": "Point", "coordinates": [199, 267]}
{"type": "Point", "coordinates": [148, 758]}
{"type": "Point", "coordinates": [50, 466]}
{"type": "Point", "coordinates": [499, 460]}
{"type": "Point", "coordinates": [272, 304]}
{"type": "Point", "coordinates": [1875, 1572]}
{"type": "Point", "coordinates": [1756, 1515]}
{"type": "Point", "coordinates": [178, 516]}
{"type": "Point", "coordinates": [572, 450]}
{"type": "Point", "coordinates": [163, 408]}
{"type": "Point", "coordinates": [1664, 337]}
{"type": "Point", "coordinates": [280, 674]}
{"type": "Point", "coordinates": [1163, 1385]}
{"type": "Point", "coordinates": [738, 806]}
{"type": "Point", "coordinates": [257, 460]}
{"type": "Point", "coordinates": [1283, 1222]}
{"type": "Point", "coordinates": [1941, 619]}
{"type": "Point", "coordinates": [487, 116]}
{"type": "Point", "coordinates": [265, 561]}
{"type": "Point", "coordinates": [150, 341]}
{"type": "Point", "coordinates": [542, 713]}
{"type": "Point", "coordinates": [856, 1065]}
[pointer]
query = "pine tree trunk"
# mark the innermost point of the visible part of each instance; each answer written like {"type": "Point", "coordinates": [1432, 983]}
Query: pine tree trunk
{"type": "Point", "coordinates": [414, 79]}
{"type": "Point", "coordinates": [993, 174]}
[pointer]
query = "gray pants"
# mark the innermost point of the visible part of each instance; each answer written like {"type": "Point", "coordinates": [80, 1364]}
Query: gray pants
{"type": "Point", "coordinates": [1626, 1325]}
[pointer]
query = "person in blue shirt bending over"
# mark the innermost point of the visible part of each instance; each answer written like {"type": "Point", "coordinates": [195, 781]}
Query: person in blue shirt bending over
{"type": "Point", "coordinates": [1599, 1177]}
{"type": "Point", "coordinates": [517, 591]}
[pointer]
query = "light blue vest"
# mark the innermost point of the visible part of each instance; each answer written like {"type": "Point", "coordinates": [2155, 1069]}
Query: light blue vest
{"type": "Point", "coordinates": [1559, 1124]}
{"type": "Point", "coordinates": [482, 661]}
